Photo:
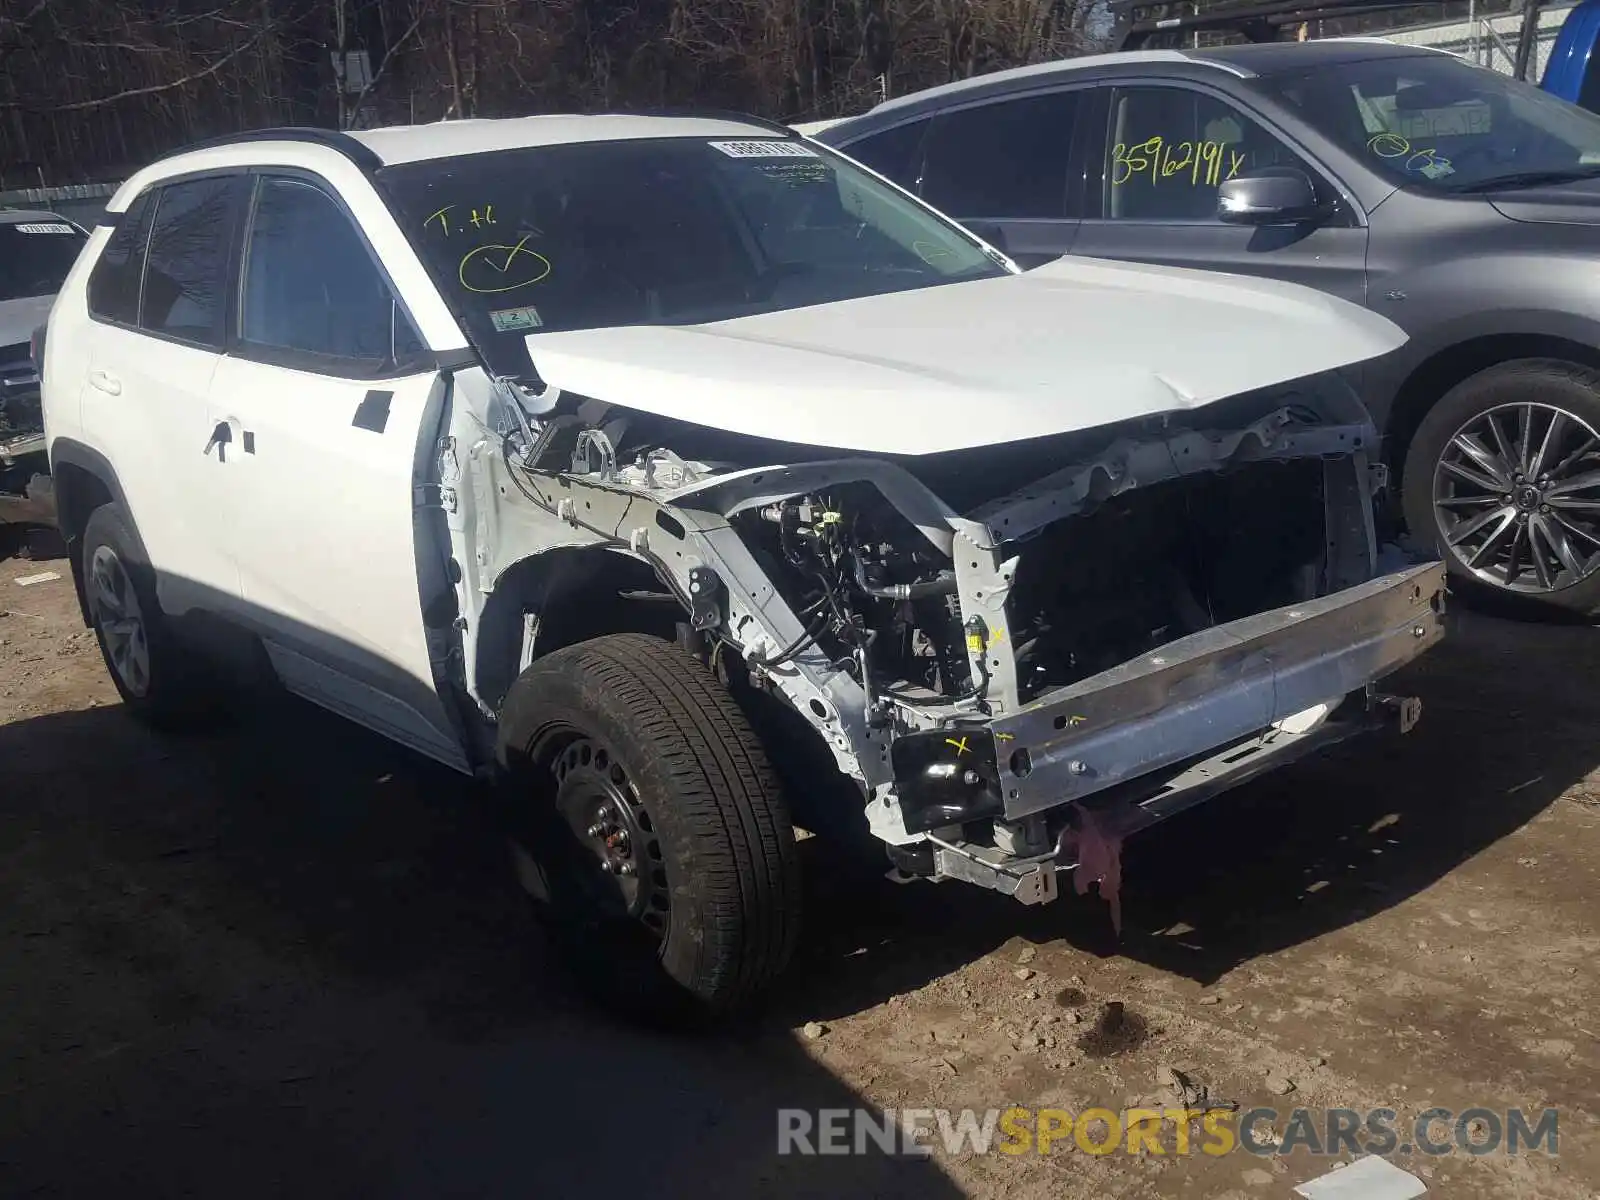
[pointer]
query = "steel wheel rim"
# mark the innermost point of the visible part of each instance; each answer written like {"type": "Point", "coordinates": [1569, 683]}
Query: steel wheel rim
{"type": "Point", "coordinates": [1516, 496]}
{"type": "Point", "coordinates": [120, 620]}
{"type": "Point", "coordinates": [614, 856]}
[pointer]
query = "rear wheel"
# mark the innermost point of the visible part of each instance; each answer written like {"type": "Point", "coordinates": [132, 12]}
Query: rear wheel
{"type": "Point", "coordinates": [159, 680]}
{"type": "Point", "coordinates": [649, 827]}
{"type": "Point", "coordinates": [1503, 477]}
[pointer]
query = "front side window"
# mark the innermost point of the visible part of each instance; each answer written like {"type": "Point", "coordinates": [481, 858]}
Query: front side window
{"type": "Point", "coordinates": [1437, 123]}
{"type": "Point", "coordinates": [662, 231]}
{"type": "Point", "coordinates": [186, 265]}
{"type": "Point", "coordinates": [35, 256]}
{"type": "Point", "coordinates": [1168, 149]}
{"type": "Point", "coordinates": [1007, 159]}
{"type": "Point", "coordinates": [310, 284]}
{"type": "Point", "coordinates": [114, 283]}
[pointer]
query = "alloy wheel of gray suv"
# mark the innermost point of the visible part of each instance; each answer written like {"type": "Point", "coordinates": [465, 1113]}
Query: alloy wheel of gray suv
{"type": "Point", "coordinates": [1505, 475]}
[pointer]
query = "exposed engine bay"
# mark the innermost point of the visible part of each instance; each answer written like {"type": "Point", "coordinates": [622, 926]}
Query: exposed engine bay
{"type": "Point", "coordinates": [1137, 571]}
{"type": "Point", "coordinates": [1010, 653]}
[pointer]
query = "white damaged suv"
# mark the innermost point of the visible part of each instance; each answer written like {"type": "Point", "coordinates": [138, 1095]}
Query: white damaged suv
{"type": "Point", "coordinates": [695, 483]}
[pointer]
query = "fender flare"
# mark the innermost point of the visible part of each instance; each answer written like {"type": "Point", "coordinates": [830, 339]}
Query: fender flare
{"type": "Point", "coordinates": [73, 509]}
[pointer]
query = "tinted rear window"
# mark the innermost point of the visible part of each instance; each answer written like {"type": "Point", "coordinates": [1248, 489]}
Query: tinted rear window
{"type": "Point", "coordinates": [35, 257]}
{"type": "Point", "coordinates": [114, 282]}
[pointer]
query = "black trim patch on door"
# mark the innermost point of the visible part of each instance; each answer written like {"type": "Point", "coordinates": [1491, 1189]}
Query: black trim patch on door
{"type": "Point", "coordinates": [373, 411]}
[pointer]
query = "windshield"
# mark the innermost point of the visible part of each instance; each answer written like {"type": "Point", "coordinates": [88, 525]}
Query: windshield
{"type": "Point", "coordinates": [35, 257]}
{"type": "Point", "coordinates": [662, 231]}
{"type": "Point", "coordinates": [1441, 124]}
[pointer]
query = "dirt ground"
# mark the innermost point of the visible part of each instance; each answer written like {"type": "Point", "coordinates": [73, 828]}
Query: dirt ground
{"type": "Point", "coordinates": [286, 959]}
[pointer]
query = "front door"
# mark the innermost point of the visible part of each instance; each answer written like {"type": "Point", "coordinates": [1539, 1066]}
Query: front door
{"type": "Point", "coordinates": [1152, 194]}
{"type": "Point", "coordinates": [321, 418]}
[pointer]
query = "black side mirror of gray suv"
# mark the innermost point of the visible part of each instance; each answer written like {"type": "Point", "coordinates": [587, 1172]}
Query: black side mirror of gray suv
{"type": "Point", "coordinates": [1275, 196]}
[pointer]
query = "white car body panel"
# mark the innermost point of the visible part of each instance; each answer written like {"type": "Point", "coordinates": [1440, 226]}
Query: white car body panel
{"type": "Point", "coordinates": [147, 398]}
{"type": "Point", "coordinates": [1070, 345]}
{"type": "Point", "coordinates": [319, 513]}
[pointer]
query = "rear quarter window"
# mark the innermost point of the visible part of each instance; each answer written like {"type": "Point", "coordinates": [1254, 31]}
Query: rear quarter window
{"type": "Point", "coordinates": [114, 282]}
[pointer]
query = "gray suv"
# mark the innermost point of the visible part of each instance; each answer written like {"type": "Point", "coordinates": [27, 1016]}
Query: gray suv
{"type": "Point", "coordinates": [1457, 202]}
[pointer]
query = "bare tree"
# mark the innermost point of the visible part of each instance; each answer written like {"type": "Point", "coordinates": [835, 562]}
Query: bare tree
{"type": "Point", "coordinates": [96, 87]}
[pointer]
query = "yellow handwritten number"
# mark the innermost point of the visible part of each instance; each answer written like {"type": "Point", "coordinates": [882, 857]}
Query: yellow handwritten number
{"type": "Point", "coordinates": [1161, 160]}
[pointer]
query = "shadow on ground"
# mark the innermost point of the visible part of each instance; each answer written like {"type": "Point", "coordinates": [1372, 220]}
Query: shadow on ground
{"type": "Point", "coordinates": [286, 961]}
{"type": "Point", "coordinates": [287, 958]}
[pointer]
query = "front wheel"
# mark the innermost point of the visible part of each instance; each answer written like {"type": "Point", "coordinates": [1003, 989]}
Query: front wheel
{"type": "Point", "coordinates": [649, 827]}
{"type": "Point", "coordinates": [1503, 477]}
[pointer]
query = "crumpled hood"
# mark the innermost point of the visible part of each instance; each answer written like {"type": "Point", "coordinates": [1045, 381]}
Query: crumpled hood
{"type": "Point", "coordinates": [19, 318]}
{"type": "Point", "coordinates": [1070, 345]}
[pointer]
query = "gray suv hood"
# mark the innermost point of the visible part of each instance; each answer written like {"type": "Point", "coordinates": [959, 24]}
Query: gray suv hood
{"type": "Point", "coordinates": [1575, 203]}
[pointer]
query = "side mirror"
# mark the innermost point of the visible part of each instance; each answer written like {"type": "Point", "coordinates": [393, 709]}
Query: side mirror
{"type": "Point", "coordinates": [1276, 196]}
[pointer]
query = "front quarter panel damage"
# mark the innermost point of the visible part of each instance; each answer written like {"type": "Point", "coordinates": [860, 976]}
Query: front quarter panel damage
{"type": "Point", "coordinates": [732, 545]}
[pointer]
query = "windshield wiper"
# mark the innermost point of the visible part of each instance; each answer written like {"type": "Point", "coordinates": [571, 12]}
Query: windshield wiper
{"type": "Point", "coordinates": [1521, 179]}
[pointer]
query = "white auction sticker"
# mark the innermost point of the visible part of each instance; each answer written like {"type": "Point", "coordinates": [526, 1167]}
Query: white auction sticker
{"type": "Point", "coordinates": [34, 227]}
{"type": "Point", "coordinates": [765, 150]}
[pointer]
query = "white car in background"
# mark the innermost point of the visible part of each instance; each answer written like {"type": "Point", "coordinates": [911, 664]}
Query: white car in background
{"type": "Point", "coordinates": [684, 477]}
{"type": "Point", "coordinates": [37, 249]}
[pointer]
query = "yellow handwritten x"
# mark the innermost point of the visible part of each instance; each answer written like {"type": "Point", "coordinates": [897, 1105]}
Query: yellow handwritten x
{"type": "Point", "coordinates": [961, 746]}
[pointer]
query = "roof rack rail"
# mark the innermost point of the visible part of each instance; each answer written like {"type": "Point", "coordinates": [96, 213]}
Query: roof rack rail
{"type": "Point", "coordinates": [360, 154]}
{"type": "Point", "coordinates": [1257, 22]}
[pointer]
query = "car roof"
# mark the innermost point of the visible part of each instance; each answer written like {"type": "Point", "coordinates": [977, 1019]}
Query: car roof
{"type": "Point", "coordinates": [1243, 62]}
{"type": "Point", "coordinates": [1042, 71]}
{"type": "Point", "coordinates": [1269, 58]}
{"type": "Point", "coordinates": [448, 139]}
{"type": "Point", "coordinates": [21, 216]}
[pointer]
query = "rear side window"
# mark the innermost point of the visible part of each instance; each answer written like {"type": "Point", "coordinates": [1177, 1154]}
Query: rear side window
{"type": "Point", "coordinates": [1006, 160]}
{"type": "Point", "coordinates": [186, 267]}
{"type": "Point", "coordinates": [892, 153]}
{"type": "Point", "coordinates": [114, 282]}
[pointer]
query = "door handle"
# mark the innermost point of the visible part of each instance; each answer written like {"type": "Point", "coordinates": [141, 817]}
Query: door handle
{"type": "Point", "coordinates": [221, 437]}
{"type": "Point", "coordinates": [105, 382]}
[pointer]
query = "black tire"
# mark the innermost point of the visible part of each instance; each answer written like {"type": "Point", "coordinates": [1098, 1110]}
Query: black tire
{"type": "Point", "coordinates": [1573, 389]}
{"type": "Point", "coordinates": [713, 916]}
{"type": "Point", "coordinates": [173, 691]}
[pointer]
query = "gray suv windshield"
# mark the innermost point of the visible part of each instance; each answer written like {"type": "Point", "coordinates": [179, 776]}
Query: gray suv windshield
{"type": "Point", "coordinates": [1437, 123]}
{"type": "Point", "coordinates": [662, 231]}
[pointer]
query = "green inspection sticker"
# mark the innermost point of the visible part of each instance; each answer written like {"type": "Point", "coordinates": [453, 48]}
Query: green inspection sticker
{"type": "Point", "coordinates": [510, 320]}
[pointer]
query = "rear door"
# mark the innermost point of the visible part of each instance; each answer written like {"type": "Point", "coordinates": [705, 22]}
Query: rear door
{"type": "Point", "coordinates": [1151, 192]}
{"type": "Point", "coordinates": [322, 401]}
{"type": "Point", "coordinates": [158, 297]}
